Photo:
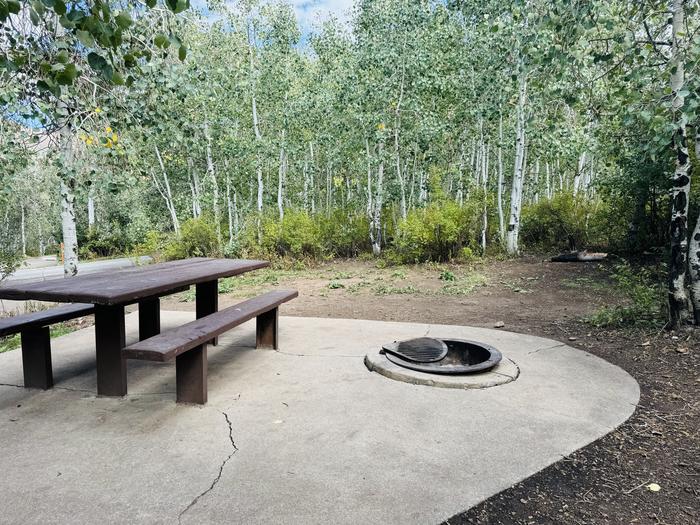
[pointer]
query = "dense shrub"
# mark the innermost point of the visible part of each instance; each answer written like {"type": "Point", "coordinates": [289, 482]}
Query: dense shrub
{"type": "Point", "coordinates": [10, 254]}
{"type": "Point", "coordinates": [438, 232]}
{"type": "Point", "coordinates": [197, 239]}
{"type": "Point", "coordinates": [344, 234]}
{"type": "Point", "coordinates": [296, 235]}
{"type": "Point", "coordinates": [644, 293]}
{"type": "Point", "coordinates": [103, 242]}
{"type": "Point", "coordinates": [301, 235]}
{"type": "Point", "coordinates": [565, 222]}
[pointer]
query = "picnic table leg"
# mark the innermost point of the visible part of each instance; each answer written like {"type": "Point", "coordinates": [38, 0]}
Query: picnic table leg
{"type": "Point", "coordinates": [109, 342]}
{"type": "Point", "coordinates": [266, 329]}
{"type": "Point", "coordinates": [207, 297]}
{"type": "Point", "coordinates": [36, 358]}
{"type": "Point", "coordinates": [149, 318]}
{"type": "Point", "coordinates": [191, 376]}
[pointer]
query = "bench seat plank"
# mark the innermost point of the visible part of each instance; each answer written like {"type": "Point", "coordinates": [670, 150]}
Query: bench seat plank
{"type": "Point", "coordinates": [13, 325]}
{"type": "Point", "coordinates": [170, 344]}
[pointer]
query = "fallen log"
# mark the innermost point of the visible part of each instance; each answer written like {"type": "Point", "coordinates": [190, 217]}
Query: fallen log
{"type": "Point", "coordinates": [583, 256]}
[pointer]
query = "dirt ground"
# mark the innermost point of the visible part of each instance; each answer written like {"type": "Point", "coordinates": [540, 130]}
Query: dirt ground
{"type": "Point", "coordinates": [605, 482]}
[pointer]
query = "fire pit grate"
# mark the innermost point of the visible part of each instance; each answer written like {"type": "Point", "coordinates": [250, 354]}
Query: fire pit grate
{"type": "Point", "coordinates": [420, 350]}
{"type": "Point", "coordinates": [442, 356]}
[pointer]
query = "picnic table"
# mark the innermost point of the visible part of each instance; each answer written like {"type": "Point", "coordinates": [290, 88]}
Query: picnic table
{"type": "Point", "coordinates": [111, 291]}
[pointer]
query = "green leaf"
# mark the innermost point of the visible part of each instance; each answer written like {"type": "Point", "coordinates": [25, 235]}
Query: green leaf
{"type": "Point", "coordinates": [151, 3]}
{"type": "Point", "coordinates": [63, 56]}
{"type": "Point", "coordinates": [85, 38]}
{"type": "Point", "coordinates": [59, 7]}
{"type": "Point", "coordinates": [117, 79]}
{"type": "Point", "coordinates": [68, 75]}
{"type": "Point", "coordinates": [43, 85]}
{"type": "Point", "coordinates": [182, 53]}
{"type": "Point", "coordinates": [178, 6]}
{"type": "Point", "coordinates": [97, 62]}
{"type": "Point", "coordinates": [123, 20]}
{"type": "Point", "coordinates": [65, 22]}
{"type": "Point", "coordinates": [161, 41]}
{"type": "Point", "coordinates": [13, 6]}
{"type": "Point", "coordinates": [108, 73]}
{"type": "Point", "coordinates": [75, 15]}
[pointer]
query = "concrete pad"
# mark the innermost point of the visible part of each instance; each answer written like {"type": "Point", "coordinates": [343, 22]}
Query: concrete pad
{"type": "Point", "coordinates": [302, 435]}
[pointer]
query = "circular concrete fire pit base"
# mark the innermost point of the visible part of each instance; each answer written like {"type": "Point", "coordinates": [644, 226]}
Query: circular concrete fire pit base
{"type": "Point", "coordinates": [504, 372]}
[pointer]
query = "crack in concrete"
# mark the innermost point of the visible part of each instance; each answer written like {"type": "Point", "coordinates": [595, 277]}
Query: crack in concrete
{"type": "Point", "coordinates": [512, 378]}
{"type": "Point", "coordinates": [221, 470]}
{"type": "Point", "coordinates": [547, 348]}
{"type": "Point", "coordinates": [7, 384]}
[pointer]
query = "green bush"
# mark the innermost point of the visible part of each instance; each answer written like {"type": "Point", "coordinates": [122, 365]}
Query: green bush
{"type": "Point", "coordinates": [645, 298]}
{"type": "Point", "coordinates": [197, 239]}
{"type": "Point", "coordinates": [10, 255]}
{"type": "Point", "coordinates": [438, 232]}
{"type": "Point", "coordinates": [296, 235]}
{"type": "Point", "coordinates": [103, 243]}
{"type": "Point", "coordinates": [565, 222]}
{"type": "Point", "coordinates": [154, 244]}
{"type": "Point", "coordinates": [301, 235]}
{"type": "Point", "coordinates": [344, 234]}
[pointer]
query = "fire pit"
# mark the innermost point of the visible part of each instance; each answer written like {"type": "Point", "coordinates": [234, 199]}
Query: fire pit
{"type": "Point", "coordinates": [442, 356]}
{"type": "Point", "coordinates": [447, 363]}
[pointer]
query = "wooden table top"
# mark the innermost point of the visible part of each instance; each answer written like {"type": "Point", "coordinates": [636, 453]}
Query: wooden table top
{"type": "Point", "coordinates": [129, 285]}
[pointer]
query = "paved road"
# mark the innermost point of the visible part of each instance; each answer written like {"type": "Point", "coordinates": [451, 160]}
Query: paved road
{"type": "Point", "coordinates": [36, 272]}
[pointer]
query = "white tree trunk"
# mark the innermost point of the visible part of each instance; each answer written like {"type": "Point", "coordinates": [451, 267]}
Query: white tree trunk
{"type": "Point", "coordinates": [212, 174]}
{"type": "Point", "coordinates": [499, 196]}
{"type": "Point", "coordinates": [229, 208]}
{"type": "Point", "coordinates": [91, 209]}
{"type": "Point", "coordinates": [375, 226]}
{"type": "Point", "coordinates": [24, 232]}
{"type": "Point", "coordinates": [256, 124]}
{"type": "Point", "coordinates": [516, 194]}
{"type": "Point", "coordinates": [164, 190]}
{"type": "Point", "coordinates": [680, 192]}
{"type": "Point", "coordinates": [369, 179]}
{"type": "Point", "coordinates": [305, 192]}
{"type": "Point", "coordinates": [312, 183]}
{"type": "Point", "coordinates": [694, 249]}
{"type": "Point", "coordinates": [195, 189]}
{"type": "Point", "coordinates": [68, 222]}
{"type": "Point", "coordinates": [579, 172]}
{"type": "Point", "coordinates": [282, 173]}
{"type": "Point", "coordinates": [460, 179]}
{"type": "Point", "coordinates": [484, 186]}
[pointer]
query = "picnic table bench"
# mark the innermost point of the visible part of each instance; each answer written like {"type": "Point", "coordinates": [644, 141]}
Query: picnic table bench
{"type": "Point", "coordinates": [109, 292]}
{"type": "Point", "coordinates": [36, 339]}
{"type": "Point", "coordinates": [187, 344]}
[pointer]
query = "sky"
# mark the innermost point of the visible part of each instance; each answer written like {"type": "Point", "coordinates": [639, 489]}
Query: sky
{"type": "Point", "coordinates": [309, 12]}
